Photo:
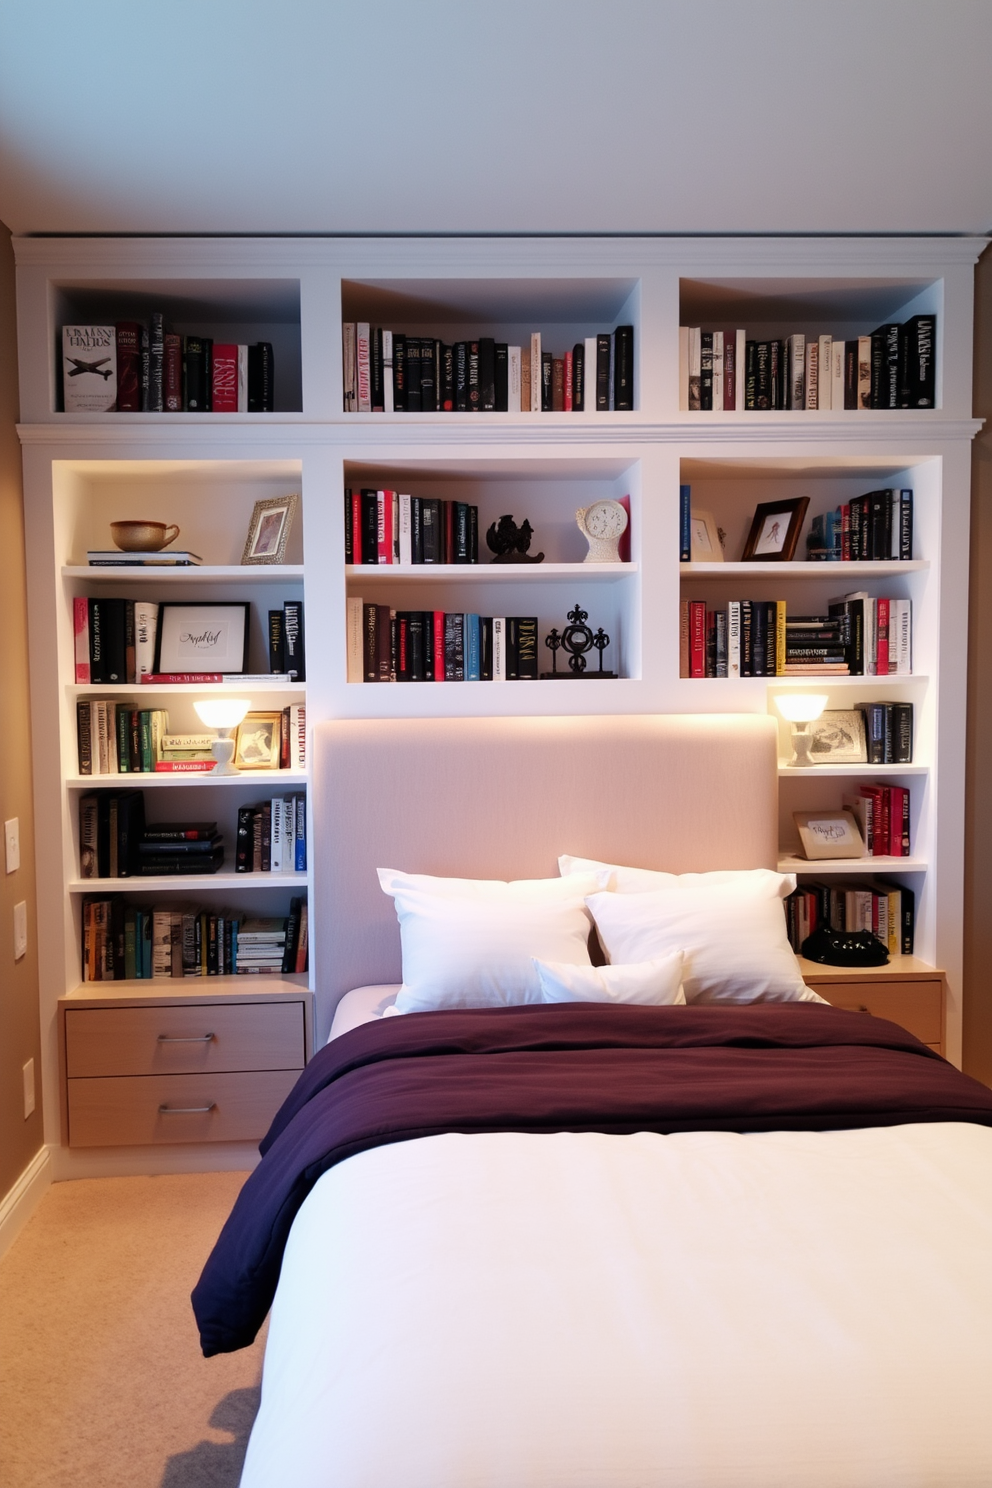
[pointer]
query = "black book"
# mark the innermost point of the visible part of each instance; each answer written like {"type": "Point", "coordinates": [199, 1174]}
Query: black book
{"type": "Point", "coordinates": [97, 640]}
{"type": "Point", "coordinates": [603, 353]}
{"type": "Point", "coordinates": [485, 648]}
{"type": "Point", "coordinates": [120, 824]}
{"type": "Point", "coordinates": [113, 641]}
{"type": "Point", "coordinates": [474, 387]}
{"type": "Point", "coordinates": [879, 524]}
{"type": "Point", "coordinates": [905, 526]}
{"type": "Point", "coordinates": [294, 645]}
{"type": "Point", "coordinates": [242, 851]}
{"type": "Point", "coordinates": [370, 527]}
{"type": "Point", "coordinates": [201, 846]}
{"type": "Point", "coordinates": [879, 388]}
{"type": "Point", "coordinates": [277, 657]}
{"type": "Point", "coordinates": [265, 817]}
{"type": "Point", "coordinates": [428, 376]}
{"type": "Point", "coordinates": [415, 660]}
{"type": "Point", "coordinates": [402, 645]}
{"type": "Point", "coordinates": [454, 647]}
{"type": "Point", "coordinates": [705, 371]}
{"type": "Point", "coordinates": [385, 643]}
{"type": "Point", "coordinates": [154, 401]}
{"type": "Point", "coordinates": [432, 538]}
{"type": "Point", "coordinates": [547, 382]}
{"type": "Point", "coordinates": [750, 375]}
{"type": "Point", "coordinates": [461, 376]}
{"type": "Point", "coordinates": [447, 391]}
{"type": "Point", "coordinates": [194, 375]}
{"type": "Point", "coordinates": [759, 639]}
{"type": "Point", "coordinates": [487, 374]}
{"type": "Point", "coordinates": [349, 536]}
{"type": "Point", "coordinates": [623, 367]}
{"type": "Point", "coordinates": [851, 374]}
{"type": "Point", "coordinates": [461, 544]}
{"type": "Point", "coordinates": [853, 610]}
{"type": "Point", "coordinates": [502, 376]}
{"type": "Point", "coordinates": [399, 373]}
{"type": "Point", "coordinates": [918, 372]}
{"type": "Point", "coordinates": [190, 831]}
{"type": "Point", "coordinates": [902, 733]}
{"type": "Point", "coordinates": [875, 732]}
{"type": "Point", "coordinates": [885, 364]}
{"type": "Point", "coordinates": [473, 534]}
{"type": "Point", "coordinates": [578, 377]}
{"type": "Point", "coordinates": [209, 863]}
{"type": "Point", "coordinates": [526, 646]}
{"type": "Point", "coordinates": [412, 399]}
{"type": "Point", "coordinates": [771, 638]}
{"type": "Point", "coordinates": [776, 362]}
{"type": "Point", "coordinates": [428, 618]}
{"type": "Point", "coordinates": [416, 531]}
{"type": "Point", "coordinates": [762, 375]}
{"type": "Point", "coordinates": [370, 642]}
{"type": "Point", "coordinates": [375, 369]}
{"type": "Point", "coordinates": [510, 646]}
{"type": "Point", "coordinates": [261, 378]}
{"type": "Point", "coordinates": [292, 935]}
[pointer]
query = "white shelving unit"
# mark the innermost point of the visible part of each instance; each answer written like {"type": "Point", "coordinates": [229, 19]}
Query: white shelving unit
{"type": "Point", "coordinates": [205, 471]}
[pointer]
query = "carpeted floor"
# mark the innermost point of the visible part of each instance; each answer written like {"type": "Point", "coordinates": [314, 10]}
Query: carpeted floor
{"type": "Point", "coordinates": [102, 1384]}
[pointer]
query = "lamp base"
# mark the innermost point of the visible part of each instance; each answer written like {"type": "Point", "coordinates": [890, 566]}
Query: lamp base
{"type": "Point", "coordinates": [801, 741]}
{"type": "Point", "coordinates": [222, 750]}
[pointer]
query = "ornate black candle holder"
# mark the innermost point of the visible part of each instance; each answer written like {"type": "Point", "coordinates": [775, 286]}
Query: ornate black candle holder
{"type": "Point", "coordinates": [576, 639]}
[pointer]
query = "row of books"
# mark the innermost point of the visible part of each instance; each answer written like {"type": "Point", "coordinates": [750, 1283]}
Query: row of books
{"type": "Point", "coordinates": [117, 640]}
{"type": "Point", "coordinates": [892, 367]}
{"type": "Point", "coordinates": [272, 836]}
{"type": "Point", "coordinates": [389, 527]}
{"type": "Point", "coordinates": [388, 372]}
{"type": "Point", "coordinates": [875, 527]}
{"type": "Point", "coordinates": [888, 910]}
{"type": "Point", "coordinates": [114, 739]}
{"type": "Point", "coordinates": [387, 645]}
{"type": "Point", "coordinates": [115, 842]}
{"type": "Point", "coordinates": [132, 367]}
{"type": "Point", "coordinates": [882, 813]}
{"type": "Point", "coordinates": [861, 635]}
{"type": "Point", "coordinates": [287, 641]}
{"type": "Point", "coordinates": [124, 942]}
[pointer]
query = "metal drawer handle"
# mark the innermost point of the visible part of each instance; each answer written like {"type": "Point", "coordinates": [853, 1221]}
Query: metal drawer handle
{"type": "Point", "coordinates": [205, 1038]}
{"type": "Point", "coordinates": [187, 1110]}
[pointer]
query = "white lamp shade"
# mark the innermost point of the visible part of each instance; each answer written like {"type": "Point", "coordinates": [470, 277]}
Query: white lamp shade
{"type": "Point", "coordinates": [801, 707]}
{"type": "Point", "coordinates": [222, 713]}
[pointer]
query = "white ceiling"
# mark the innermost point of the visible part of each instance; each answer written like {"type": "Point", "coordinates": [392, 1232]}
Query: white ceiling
{"type": "Point", "coordinates": [368, 116]}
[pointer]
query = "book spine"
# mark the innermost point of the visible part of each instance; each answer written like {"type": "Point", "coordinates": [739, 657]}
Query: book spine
{"type": "Point", "coordinates": [349, 366]}
{"type": "Point", "coordinates": [224, 365]}
{"type": "Point", "coordinates": [499, 648]}
{"type": "Point", "coordinates": [623, 374]}
{"type": "Point", "coordinates": [399, 373]}
{"type": "Point", "coordinates": [363, 367]}
{"type": "Point", "coordinates": [697, 638]}
{"type": "Point", "coordinates": [734, 638]}
{"type": "Point", "coordinates": [438, 646]}
{"type": "Point", "coordinates": [685, 524]}
{"type": "Point", "coordinates": [535, 372]}
{"type": "Point", "coordinates": [277, 654]}
{"type": "Point", "coordinates": [172, 374]}
{"type": "Point", "coordinates": [513, 380]}
{"type": "Point", "coordinates": [128, 335]}
{"type": "Point", "coordinates": [388, 383]}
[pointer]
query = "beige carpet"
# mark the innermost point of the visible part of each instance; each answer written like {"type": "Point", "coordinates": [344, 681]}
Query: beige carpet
{"type": "Point", "coordinates": [102, 1384]}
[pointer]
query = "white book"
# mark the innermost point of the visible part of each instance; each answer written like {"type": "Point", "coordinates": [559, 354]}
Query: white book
{"type": "Point", "coordinates": [901, 636]}
{"type": "Point", "coordinates": [797, 371]}
{"type": "Point", "coordinates": [405, 533]}
{"type": "Point", "coordinates": [864, 372]}
{"type": "Point", "coordinates": [718, 370]}
{"type": "Point", "coordinates": [499, 648]}
{"type": "Point", "coordinates": [896, 538]}
{"type": "Point", "coordinates": [354, 631]}
{"type": "Point", "coordinates": [387, 372]}
{"type": "Point", "coordinates": [298, 736]}
{"type": "Point", "coordinates": [89, 369]}
{"type": "Point", "coordinates": [683, 369]}
{"type": "Point", "coordinates": [734, 638]}
{"type": "Point", "coordinates": [695, 367]}
{"type": "Point", "coordinates": [161, 943]}
{"type": "Point", "coordinates": [513, 379]}
{"type": "Point", "coordinates": [826, 362]}
{"type": "Point", "coordinates": [535, 371]}
{"type": "Point", "coordinates": [363, 367]}
{"type": "Point", "coordinates": [243, 377]}
{"type": "Point", "coordinates": [812, 397]}
{"type": "Point", "coordinates": [739, 359]}
{"type": "Point", "coordinates": [589, 364]}
{"type": "Point", "coordinates": [347, 369]}
{"type": "Point", "coordinates": [277, 835]}
{"type": "Point", "coordinates": [837, 375]}
{"type": "Point", "coordinates": [145, 634]}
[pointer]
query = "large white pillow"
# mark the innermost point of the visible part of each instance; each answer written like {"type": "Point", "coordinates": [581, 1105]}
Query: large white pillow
{"type": "Point", "coordinates": [733, 940]}
{"type": "Point", "coordinates": [570, 886]}
{"type": "Point", "coordinates": [656, 982]}
{"type": "Point", "coordinates": [473, 952]}
{"type": "Point", "coordinates": [624, 880]}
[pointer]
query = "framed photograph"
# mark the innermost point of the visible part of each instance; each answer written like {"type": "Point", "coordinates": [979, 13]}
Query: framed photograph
{"type": "Point", "coordinates": [259, 742]}
{"type": "Point", "coordinates": [706, 546]}
{"type": "Point", "coordinates": [838, 738]}
{"type": "Point", "coordinates": [268, 530]}
{"type": "Point", "coordinates": [202, 638]}
{"type": "Point", "coordinates": [775, 529]}
{"type": "Point", "coordinates": [829, 834]}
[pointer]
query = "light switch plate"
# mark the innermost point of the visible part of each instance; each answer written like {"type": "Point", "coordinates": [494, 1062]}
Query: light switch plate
{"type": "Point", "coordinates": [20, 929]}
{"type": "Point", "coordinates": [12, 843]}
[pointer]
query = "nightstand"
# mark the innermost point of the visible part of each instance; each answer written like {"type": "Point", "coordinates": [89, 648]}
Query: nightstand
{"type": "Point", "coordinates": [906, 991]}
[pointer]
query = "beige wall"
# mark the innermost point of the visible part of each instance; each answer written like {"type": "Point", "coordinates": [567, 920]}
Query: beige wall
{"type": "Point", "coordinates": [978, 850]}
{"type": "Point", "coordinates": [19, 1033]}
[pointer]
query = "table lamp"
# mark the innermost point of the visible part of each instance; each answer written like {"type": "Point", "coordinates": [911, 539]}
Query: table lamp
{"type": "Point", "coordinates": [800, 708]}
{"type": "Point", "coordinates": [224, 715]}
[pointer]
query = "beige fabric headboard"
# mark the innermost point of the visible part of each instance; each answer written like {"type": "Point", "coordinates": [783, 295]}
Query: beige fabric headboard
{"type": "Point", "coordinates": [502, 797]}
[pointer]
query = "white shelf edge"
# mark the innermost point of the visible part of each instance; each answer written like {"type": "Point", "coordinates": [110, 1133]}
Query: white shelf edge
{"type": "Point", "coordinates": [791, 864]}
{"type": "Point", "coordinates": [800, 568]}
{"type": "Point", "coordinates": [171, 573]}
{"type": "Point", "coordinates": [808, 772]}
{"type": "Point", "coordinates": [193, 777]}
{"type": "Point", "coordinates": [165, 988]}
{"type": "Point", "coordinates": [487, 572]}
{"type": "Point", "coordinates": [835, 680]}
{"type": "Point", "coordinates": [141, 689]}
{"type": "Point", "coordinates": [159, 881]}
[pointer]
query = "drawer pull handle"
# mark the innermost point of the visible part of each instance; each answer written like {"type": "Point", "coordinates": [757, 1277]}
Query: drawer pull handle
{"type": "Point", "coordinates": [187, 1110]}
{"type": "Point", "coordinates": [204, 1038]}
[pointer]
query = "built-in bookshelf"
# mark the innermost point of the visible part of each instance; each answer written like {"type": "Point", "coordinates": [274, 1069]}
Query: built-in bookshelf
{"type": "Point", "coordinates": [205, 472]}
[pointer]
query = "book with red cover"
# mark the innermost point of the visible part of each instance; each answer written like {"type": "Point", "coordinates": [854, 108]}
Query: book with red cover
{"type": "Point", "coordinates": [225, 377]}
{"type": "Point", "coordinates": [882, 648]}
{"type": "Point", "coordinates": [438, 645]}
{"type": "Point", "coordinates": [81, 631]}
{"type": "Point", "coordinates": [384, 526]}
{"type": "Point", "coordinates": [183, 767]}
{"type": "Point", "coordinates": [697, 638]}
{"type": "Point", "coordinates": [899, 821]}
{"type": "Point", "coordinates": [569, 375]}
{"type": "Point", "coordinates": [173, 373]}
{"type": "Point", "coordinates": [128, 366]}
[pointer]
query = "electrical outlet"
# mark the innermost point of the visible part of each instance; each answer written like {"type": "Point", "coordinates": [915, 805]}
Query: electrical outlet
{"type": "Point", "coordinates": [12, 843]}
{"type": "Point", "coordinates": [20, 929]}
{"type": "Point", "coordinates": [27, 1070]}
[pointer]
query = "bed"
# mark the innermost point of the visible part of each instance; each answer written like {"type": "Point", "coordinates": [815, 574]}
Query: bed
{"type": "Point", "coordinates": [589, 1245]}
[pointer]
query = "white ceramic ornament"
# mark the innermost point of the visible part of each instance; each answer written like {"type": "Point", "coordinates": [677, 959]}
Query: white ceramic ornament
{"type": "Point", "coordinates": [602, 525]}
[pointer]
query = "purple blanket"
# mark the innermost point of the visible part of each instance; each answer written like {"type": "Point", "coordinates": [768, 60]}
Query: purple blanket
{"type": "Point", "coordinates": [565, 1067]}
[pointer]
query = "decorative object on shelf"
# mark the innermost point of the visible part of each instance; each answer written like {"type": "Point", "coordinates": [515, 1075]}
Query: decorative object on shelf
{"type": "Point", "coordinates": [259, 742]}
{"type": "Point", "coordinates": [829, 834]}
{"type": "Point", "coordinates": [844, 947]}
{"type": "Point", "coordinates": [224, 715]}
{"type": "Point", "coordinates": [143, 536]}
{"type": "Point", "coordinates": [838, 738]}
{"type": "Point", "coordinates": [801, 709]}
{"type": "Point", "coordinates": [775, 529]}
{"type": "Point", "coordinates": [268, 530]}
{"type": "Point", "coordinates": [510, 542]}
{"type": "Point", "coordinates": [576, 639]}
{"type": "Point", "coordinates": [705, 538]}
{"type": "Point", "coordinates": [202, 638]}
{"type": "Point", "coordinates": [602, 525]}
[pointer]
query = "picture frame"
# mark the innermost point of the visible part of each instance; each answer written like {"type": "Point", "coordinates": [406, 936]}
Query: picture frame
{"type": "Point", "coordinates": [194, 637]}
{"type": "Point", "coordinates": [829, 834]}
{"type": "Point", "coordinates": [775, 529]}
{"type": "Point", "coordinates": [258, 745]}
{"type": "Point", "coordinates": [837, 737]}
{"type": "Point", "coordinates": [268, 530]}
{"type": "Point", "coordinates": [704, 536]}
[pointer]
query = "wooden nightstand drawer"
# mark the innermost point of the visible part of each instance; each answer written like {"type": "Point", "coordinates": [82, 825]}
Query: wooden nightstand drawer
{"type": "Point", "coordinates": [913, 1005]}
{"type": "Point", "coordinates": [220, 1107]}
{"type": "Point", "coordinates": [200, 1038]}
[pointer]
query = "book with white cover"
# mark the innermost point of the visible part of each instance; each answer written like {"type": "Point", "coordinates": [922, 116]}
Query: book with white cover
{"type": "Point", "coordinates": [718, 370]}
{"type": "Point", "coordinates": [535, 371]}
{"type": "Point", "coordinates": [277, 835]}
{"type": "Point", "coordinates": [405, 529]}
{"type": "Point", "coordinates": [387, 372]}
{"type": "Point", "coordinates": [363, 367]}
{"type": "Point", "coordinates": [243, 377]}
{"type": "Point", "coordinates": [589, 375]}
{"type": "Point", "coordinates": [499, 648]}
{"type": "Point", "coordinates": [826, 363]}
{"type": "Point", "coordinates": [812, 399]}
{"type": "Point", "coordinates": [145, 635]}
{"type": "Point", "coordinates": [739, 359]}
{"type": "Point", "coordinates": [837, 375]}
{"type": "Point", "coordinates": [513, 379]}
{"type": "Point", "coordinates": [355, 670]}
{"type": "Point", "coordinates": [89, 368]}
{"type": "Point", "coordinates": [734, 638]}
{"type": "Point", "coordinates": [797, 371]}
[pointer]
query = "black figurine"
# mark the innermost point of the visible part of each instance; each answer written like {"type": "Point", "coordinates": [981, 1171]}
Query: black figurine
{"type": "Point", "coordinates": [510, 542]}
{"type": "Point", "coordinates": [576, 639]}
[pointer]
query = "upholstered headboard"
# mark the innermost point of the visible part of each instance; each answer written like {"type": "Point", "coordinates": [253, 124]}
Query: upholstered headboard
{"type": "Point", "coordinates": [502, 797]}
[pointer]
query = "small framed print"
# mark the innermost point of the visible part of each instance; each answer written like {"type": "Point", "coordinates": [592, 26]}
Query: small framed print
{"type": "Point", "coordinates": [775, 529]}
{"type": "Point", "coordinates": [202, 638]}
{"type": "Point", "coordinates": [838, 738]}
{"type": "Point", "coordinates": [259, 742]}
{"type": "Point", "coordinates": [829, 834]}
{"type": "Point", "coordinates": [268, 530]}
{"type": "Point", "coordinates": [704, 537]}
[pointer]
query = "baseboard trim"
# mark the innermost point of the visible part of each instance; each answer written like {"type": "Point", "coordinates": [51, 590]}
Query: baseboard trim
{"type": "Point", "coordinates": [134, 1162]}
{"type": "Point", "coordinates": [17, 1206]}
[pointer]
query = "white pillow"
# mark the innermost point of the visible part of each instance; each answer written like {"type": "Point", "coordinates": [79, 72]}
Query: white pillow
{"type": "Point", "coordinates": [658, 982]}
{"type": "Point", "coordinates": [641, 880]}
{"type": "Point", "coordinates": [573, 886]}
{"type": "Point", "coordinates": [734, 940]}
{"type": "Point", "coordinates": [474, 952]}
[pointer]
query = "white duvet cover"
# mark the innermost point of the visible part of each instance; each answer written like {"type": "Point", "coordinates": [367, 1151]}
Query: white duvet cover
{"type": "Point", "coordinates": [704, 1310]}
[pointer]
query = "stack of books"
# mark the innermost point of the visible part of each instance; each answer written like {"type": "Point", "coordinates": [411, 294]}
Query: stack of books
{"type": "Point", "coordinates": [261, 945]}
{"type": "Point", "coordinates": [180, 848]}
{"type": "Point", "coordinates": [164, 558]}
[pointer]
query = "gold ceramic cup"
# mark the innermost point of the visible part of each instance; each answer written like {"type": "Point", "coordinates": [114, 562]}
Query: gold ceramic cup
{"type": "Point", "coordinates": [142, 537]}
